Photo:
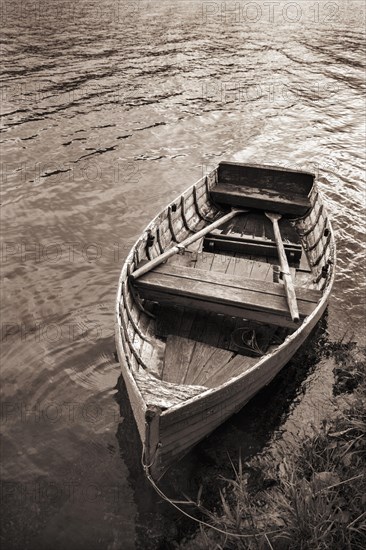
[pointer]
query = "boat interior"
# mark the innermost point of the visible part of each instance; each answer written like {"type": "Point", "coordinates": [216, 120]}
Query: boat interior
{"type": "Point", "coordinates": [213, 310]}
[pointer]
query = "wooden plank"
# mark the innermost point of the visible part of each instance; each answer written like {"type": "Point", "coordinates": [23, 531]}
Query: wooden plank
{"type": "Point", "coordinates": [187, 321]}
{"type": "Point", "coordinates": [289, 234]}
{"type": "Point", "coordinates": [202, 353]}
{"type": "Point", "coordinates": [187, 259]}
{"type": "Point", "coordinates": [232, 265]}
{"type": "Point", "coordinates": [178, 353]}
{"type": "Point", "coordinates": [189, 433]}
{"type": "Point", "coordinates": [268, 230]}
{"type": "Point", "coordinates": [195, 247]}
{"type": "Point", "coordinates": [231, 226]}
{"type": "Point", "coordinates": [303, 278]}
{"type": "Point", "coordinates": [211, 334]}
{"type": "Point", "coordinates": [238, 283]}
{"type": "Point", "coordinates": [227, 328]}
{"type": "Point", "coordinates": [215, 401]}
{"type": "Point", "coordinates": [192, 217]}
{"type": "Point", "coordinates": [171, 319]}
{"type": "Point", "coordinates": [214, 364]}
{"type": "Point", "coordinates": [164, 394]}
{"type": "Point", "coordinates": [251, 197]}
{"type": "Point", "coordinates": [168, 320]}
{"type": "Point", "coordinates": [214, 329]}
{"type": "Point", "coordinates": [251, 225]}
{"type": "Point", "coordinates": [220, 263]}
{"type": "Point", "coordinates": [258, 226]}
{"type": "Point", "coordinates": [153, 355]}
{"type": "Point", "coordinates": [247, 245]}
{"type": "Point", "coordinates": [304, 264]}
{"type": "Point", "coordinates": [204, 260]}
{"type": "Point", "coordinates": [198, 418]}
{"type": "Point", "coordinates": [243, 268]}
{"type": "Point", "coordinates": [136, 399]}
{"type": "Point", "coordinates": [238, 365]}
{"type": "Point", "coordinates": [264, 306]}
{"type": "Point", "coordinates": [199, 326]}
{"type": "Point", "coordinates": [283, 181]}
{"type": "Point", "coordinates": [261, 271]}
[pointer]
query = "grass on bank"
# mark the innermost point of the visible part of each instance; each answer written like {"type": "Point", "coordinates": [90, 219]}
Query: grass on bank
{"type": "Point", "coordinates": [315, 498]}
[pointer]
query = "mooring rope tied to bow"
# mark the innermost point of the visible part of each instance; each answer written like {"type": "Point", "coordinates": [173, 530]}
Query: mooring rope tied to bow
{"type": "Point", "coordinates": [175, 504]}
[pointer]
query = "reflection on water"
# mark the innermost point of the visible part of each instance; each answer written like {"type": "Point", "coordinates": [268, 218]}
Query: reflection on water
{"type": "Point", "coordinates": [109, 111]}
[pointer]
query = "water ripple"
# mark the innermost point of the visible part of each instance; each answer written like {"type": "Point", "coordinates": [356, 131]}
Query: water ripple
{"type": "Point", "coordinates": [105, 120]}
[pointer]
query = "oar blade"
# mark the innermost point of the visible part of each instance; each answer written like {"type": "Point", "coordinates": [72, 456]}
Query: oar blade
{"type": "Point", "coordinates": [273, 216]}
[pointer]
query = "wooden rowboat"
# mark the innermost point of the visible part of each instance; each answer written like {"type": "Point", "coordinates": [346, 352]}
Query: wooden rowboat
{"type": "Point", "coordinates": [215, 297]}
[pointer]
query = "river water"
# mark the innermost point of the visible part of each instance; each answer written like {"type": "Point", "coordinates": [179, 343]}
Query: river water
{"type": "Point", "coordinates": [110, 109]}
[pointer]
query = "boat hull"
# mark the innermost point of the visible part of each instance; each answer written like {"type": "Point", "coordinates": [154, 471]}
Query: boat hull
{"type": "Point", "coordinates": [168, 433]}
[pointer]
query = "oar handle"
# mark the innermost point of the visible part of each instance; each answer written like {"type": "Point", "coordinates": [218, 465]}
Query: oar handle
{"type": "Point", "coordinates": [181, 246]}
{"type": "Point", "coordinates": [291, 297]}
{"type": "Point", "coordinates": [287, 279]}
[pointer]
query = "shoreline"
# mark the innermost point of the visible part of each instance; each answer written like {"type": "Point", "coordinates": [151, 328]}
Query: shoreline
{"type": "Point", "coordinates": [309, 498]}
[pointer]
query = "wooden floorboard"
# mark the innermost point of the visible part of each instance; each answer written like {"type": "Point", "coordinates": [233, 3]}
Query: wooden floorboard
{"type": "Point", "coordinates": [261, 271]}
{"type": "Point", "coordinates": [178, 353]}
{"type": "Point", "coordinates": [204, 261]}
{"type": "Point", "coordinates": [187, 322]}
{"type": "Point", "coordinates": [213, 366]}
{"type": "Point", "coordinates": [211, 333]}
{"type": "Point", "coordinates": [304, 264]}
{"type": "Point", "coordinates": [242, 268]}
{"type": "Point", "coordinates": [227, 327]}
{"type": "Point", "coordinates": [238, 365]}
{"type": "Point", "coordinates": [229, 227]}
{"type": "Point", "coordinates": [220, 263]}
{"type": "Point", "coordinates": [256, 224]}
{"type": "Point", "coordinates": [251, 225]}
{"type": "Point", "coordinates": [218, 327]}
{"type": "Point", "coordinates": [230, 270]}
{"type": "Point", "coordinates": [168, 320]}
{"type": "Point", "coordinates": [199, 326]}
{"type": "Point", "coordinates": [202, 353]}
{"type": "Point", "coordinates": [187, 259]}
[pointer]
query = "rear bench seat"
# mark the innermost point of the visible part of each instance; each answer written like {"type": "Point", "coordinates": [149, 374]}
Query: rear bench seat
{"type": "Point", "coordinates": [229, 295]}
{"type": "Point", "coordinates": [265, 188]}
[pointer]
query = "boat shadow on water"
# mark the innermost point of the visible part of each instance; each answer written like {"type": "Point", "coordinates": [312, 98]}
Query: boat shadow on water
{"type": "Point", "coordinates": [244, 435]}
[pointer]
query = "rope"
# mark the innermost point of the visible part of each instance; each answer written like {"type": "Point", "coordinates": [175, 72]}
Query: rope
{"type": "Point", "coordinates": [175, 503]}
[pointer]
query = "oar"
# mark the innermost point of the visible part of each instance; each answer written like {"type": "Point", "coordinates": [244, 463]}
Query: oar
{"type": "Point", "coordinates": [289, 285]}
{"type": "Point", "coordinates": [181, 246]}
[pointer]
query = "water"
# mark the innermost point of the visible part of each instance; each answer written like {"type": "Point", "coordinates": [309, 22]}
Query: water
{"type": "Point", "coordinates": [111, 110]}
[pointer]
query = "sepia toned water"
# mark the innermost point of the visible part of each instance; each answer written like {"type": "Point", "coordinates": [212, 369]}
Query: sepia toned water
{"type": "Point", "coordinates": [111, 109]}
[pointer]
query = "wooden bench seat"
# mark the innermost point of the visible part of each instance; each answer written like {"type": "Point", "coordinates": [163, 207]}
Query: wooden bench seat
{"type": "Point", "coordinates": [217, 242]}
{"type": "Point", "coordinates": [229, 295]}
{"type": "Point", "coordinates": [289, 203]}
